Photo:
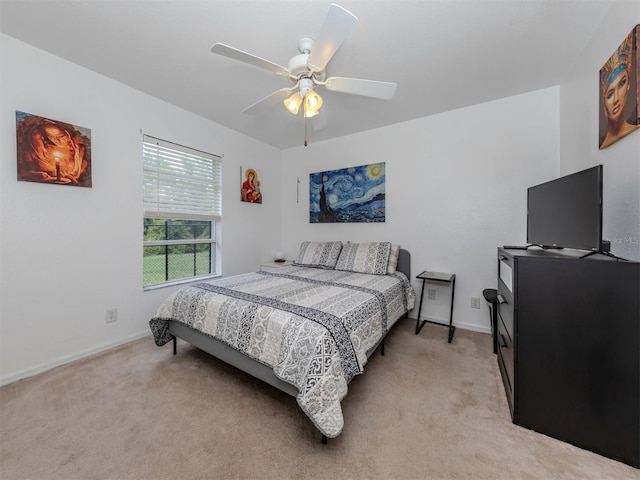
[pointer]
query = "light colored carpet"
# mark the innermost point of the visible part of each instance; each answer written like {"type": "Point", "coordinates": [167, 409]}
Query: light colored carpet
{"type": "Point", "coordinates": [426, 410]}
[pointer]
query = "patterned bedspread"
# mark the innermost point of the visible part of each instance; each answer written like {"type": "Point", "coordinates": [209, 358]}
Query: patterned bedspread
{"type": "Point", "coordinates": [312, 326]}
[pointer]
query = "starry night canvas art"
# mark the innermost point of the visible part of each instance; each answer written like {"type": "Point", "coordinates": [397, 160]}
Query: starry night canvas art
{"type": "Point", "coordinates": [348, 195]}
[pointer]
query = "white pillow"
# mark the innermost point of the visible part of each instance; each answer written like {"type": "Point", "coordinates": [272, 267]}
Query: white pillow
{"type": "Point", "coordinates": [370, 257]}
{"type": "Point", "coordinates": [393, 258]}
{"type": "Point", "coordinates": [319, 254]}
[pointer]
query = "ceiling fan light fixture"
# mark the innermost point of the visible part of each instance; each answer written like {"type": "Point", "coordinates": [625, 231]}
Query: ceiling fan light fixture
{"type": "Point", "coordinates": [306, 70]}
{"type": "Point", "coordinates": [312, 104]}
{"type": "Point", "coordinates": [292, 103]}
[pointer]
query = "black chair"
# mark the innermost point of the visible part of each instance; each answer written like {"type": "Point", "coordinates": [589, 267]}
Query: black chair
{"type": "Point", "coordinates": [491, 296]}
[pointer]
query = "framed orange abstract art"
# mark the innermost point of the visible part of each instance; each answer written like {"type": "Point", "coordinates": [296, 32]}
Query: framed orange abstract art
{"type": "Point", "coordinates": [51, 151]}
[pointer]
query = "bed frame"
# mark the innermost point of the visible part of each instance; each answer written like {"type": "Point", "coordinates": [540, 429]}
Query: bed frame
{"type": "Point", "coordinates": [253, 367]}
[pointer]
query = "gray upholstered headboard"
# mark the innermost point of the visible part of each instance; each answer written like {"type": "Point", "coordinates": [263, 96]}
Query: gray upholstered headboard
{"type": "Point", "coordinates": [404, 263]}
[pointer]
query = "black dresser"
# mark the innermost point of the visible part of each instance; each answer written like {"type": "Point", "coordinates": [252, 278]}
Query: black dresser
{"type": "Point", "coordinates": [569, 348]}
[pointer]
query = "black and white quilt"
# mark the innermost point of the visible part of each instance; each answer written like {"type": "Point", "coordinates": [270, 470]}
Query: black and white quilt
{"type": "Point", "coordinates": [312, 326]}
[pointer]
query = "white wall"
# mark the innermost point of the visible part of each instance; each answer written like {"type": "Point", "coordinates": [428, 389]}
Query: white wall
{"type": "Point", "coordinates": [455, 190]}
{"type": "Point", "coordinates": [579, 134]}
{"type": "Point", "coordinates": [69, 253]}
{"type": "Point", "coordinates": [456, 187]}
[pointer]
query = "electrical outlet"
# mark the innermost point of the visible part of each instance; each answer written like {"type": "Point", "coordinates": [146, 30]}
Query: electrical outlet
{"type": "Point", "coordinates": [475, 302]}
{"type": "Point", "coordinates": [111, 315]}
{"type": "Point", "coordinates": [431, 294]}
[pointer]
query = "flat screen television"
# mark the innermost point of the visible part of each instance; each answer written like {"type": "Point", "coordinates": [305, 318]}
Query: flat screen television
{"type": "Point", "coordinates": [567, 212]}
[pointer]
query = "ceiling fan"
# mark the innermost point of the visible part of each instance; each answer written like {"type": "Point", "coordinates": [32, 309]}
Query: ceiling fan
{"type": "Point", "coordinates": [306, 71]}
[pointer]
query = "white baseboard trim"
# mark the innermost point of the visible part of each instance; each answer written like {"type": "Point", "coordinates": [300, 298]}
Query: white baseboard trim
{"type": "Point", "coordinates": [472, 327]}
{"type": "Point", "coordinates": [462, 325]}
{"type": "Point", "coordinates": [30, 372]}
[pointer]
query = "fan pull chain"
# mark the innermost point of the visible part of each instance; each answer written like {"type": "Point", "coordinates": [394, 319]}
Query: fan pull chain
{"type": "Point", "coordinates": [306, 120]}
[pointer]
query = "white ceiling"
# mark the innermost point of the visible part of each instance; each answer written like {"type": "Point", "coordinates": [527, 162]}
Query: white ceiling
{"type": "Point", "coordinates": [443, 54]}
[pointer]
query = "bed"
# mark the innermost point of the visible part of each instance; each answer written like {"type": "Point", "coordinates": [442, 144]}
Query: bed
{"type": "Point", "coordinates": [306, 329]}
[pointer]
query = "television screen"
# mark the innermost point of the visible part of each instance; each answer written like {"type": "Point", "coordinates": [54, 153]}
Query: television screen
{"type": "Point", "coordinates": [567, 212]}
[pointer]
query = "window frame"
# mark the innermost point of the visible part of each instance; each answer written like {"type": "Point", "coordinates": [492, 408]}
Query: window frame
{"type": "Point", "coordinates": [172, 171]}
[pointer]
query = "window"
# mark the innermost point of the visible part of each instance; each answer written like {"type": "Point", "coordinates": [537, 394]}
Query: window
{"type": "Point", "coordinates": [182, 212]}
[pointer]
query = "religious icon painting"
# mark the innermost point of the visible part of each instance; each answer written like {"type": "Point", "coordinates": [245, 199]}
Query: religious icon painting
{"type": "Point", "coordinates": [51, 151]}
{"type": "Point", "coordinates": [620, 91]}
{"type": "Point", "coordinates": [348, 195]}
{"type": "Point", "coordinates": [250, 187]}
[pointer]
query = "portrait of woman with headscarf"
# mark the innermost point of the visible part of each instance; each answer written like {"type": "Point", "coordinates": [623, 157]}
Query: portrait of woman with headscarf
{"type": "Point", "coordinates": [620, 91]}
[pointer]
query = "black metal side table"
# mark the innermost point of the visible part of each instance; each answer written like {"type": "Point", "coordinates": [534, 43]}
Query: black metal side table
{"type": "Point", "coordinates": [437, 277]}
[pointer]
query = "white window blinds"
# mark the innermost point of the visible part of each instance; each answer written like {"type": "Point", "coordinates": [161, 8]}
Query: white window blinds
{"type": "Point", "coordinates": [180, 182]}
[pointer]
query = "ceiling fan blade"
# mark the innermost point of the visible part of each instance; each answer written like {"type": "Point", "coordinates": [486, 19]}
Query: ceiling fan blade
{"type": "Point", "coordinates": [269, 101]}
{"type": "Point", "coordinates": [336, 28]}
{"type": "Point", "coordinates": [235, 54]}
{"type": "Point", "coordinates": [365, 88]}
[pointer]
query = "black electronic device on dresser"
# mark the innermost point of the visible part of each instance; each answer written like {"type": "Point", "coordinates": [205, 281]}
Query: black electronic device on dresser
{"type": "Point", "coordinates": [569, 348]}
{"type": "Point", "coordinates": [567, 212]}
